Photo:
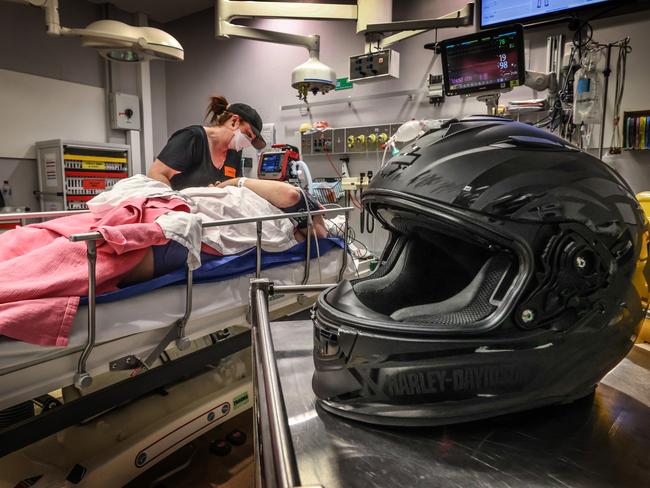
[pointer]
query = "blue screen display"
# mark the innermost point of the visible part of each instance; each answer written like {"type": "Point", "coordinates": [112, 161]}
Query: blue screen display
{"type": "Point", "coordinates": [272, 163]}
{"type": "Point", "coordinates": [500, 11]}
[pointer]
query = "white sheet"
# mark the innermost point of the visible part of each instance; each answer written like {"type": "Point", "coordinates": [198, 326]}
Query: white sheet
{"type": "Point", "coordinates": [135, 186]}
{"type": "Point", "coordinates": [214, 204]}
{"type": "Point", "coordinates": [207, 204]}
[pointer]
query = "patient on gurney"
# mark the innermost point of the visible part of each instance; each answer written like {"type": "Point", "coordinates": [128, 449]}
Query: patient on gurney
{"type": "Point", "coordinates": [148, 230]}
{"type": "Point", "coordinates": [162, 259]}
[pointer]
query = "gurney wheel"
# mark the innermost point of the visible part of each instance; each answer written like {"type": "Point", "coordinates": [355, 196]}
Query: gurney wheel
{"type": "Point", "coordinates": [220, 447]}
{"type": "Point", "coordinates": [236, 438]}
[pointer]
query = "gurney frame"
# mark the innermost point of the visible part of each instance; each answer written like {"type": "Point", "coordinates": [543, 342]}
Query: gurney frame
{"type": "Point", "coordinates": [176, 331]}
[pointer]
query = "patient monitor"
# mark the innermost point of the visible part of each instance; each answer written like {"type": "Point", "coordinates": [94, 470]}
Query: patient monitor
{"type": "Point", "coordinates": [484, 61]}
{"type": "Point", "coordinates": [277, 164]}
{"type": "Point", "coordinates": [488, 63]}
{"type": "Point", "coordinates": [283, 163]}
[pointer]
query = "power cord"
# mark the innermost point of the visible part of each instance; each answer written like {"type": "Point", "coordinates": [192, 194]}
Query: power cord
{"type": "Point", "coordinates": [310, 225]}
{"type": "Point", "coordinates": [352, 239]}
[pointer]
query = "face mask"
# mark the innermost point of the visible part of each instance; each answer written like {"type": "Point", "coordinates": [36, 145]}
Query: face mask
{"type": "Point", "coordinates": [239, 141]}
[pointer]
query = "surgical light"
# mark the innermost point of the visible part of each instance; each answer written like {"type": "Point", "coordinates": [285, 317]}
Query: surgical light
{"type": "Point", "coordinates": [114, 40]}
{"type": "Point", "coordinates": [312, 76]}
{"type": "Point", "coordinates": [118, 41]}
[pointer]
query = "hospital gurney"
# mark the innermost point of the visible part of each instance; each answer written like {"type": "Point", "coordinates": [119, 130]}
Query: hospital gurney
{"type": "Point", "coordinates": [129, 336]}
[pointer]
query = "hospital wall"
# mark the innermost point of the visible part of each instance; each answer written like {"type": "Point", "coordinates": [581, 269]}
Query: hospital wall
{"type": "Point", "coordinates": [28, 52]}
{"type": "Point", "coordinates": [259, 74]}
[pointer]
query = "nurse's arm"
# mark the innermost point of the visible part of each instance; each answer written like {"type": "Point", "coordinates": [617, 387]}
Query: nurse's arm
{"type": "Point", "coordinates": [277, 193]}
{"type": "Point", "coordinates": [161, 172]}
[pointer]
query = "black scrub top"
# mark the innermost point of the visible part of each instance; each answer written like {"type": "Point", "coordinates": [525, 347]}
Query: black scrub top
{"type": "Point", "coordinates": [188, 151]}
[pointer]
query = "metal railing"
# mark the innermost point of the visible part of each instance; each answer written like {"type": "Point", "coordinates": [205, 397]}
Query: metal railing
{"type": "Point", "coordinates": [82, 378]}
{"type": "Point", "coordinates": [40, 215]}
{"type": "Point", "coordinates": [275, 459]}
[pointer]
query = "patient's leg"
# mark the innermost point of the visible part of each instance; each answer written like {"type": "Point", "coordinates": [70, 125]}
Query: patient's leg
{"type": "Point", "coordinates": [143, 271]}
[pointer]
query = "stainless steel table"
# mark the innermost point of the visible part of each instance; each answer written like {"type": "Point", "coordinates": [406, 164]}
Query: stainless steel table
{"type": "Point", "coordinates": [600, 441]}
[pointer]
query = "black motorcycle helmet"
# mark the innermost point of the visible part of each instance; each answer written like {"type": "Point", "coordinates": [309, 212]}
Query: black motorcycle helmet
{"type": "Point", "coordinates": [514, 277]}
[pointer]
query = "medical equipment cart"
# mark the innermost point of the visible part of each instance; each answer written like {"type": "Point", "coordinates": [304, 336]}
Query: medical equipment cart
{"type": "Point", "coordinates": [71, 172]}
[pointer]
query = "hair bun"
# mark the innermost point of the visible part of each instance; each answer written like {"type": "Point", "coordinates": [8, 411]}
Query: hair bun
{"type": "Point", "coordinates": [216, 107]}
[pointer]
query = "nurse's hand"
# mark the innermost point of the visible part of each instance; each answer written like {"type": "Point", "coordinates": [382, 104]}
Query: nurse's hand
{"type": "Point", "coordinates": [230, 182]}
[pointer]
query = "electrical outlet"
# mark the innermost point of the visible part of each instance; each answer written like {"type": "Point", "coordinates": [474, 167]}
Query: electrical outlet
{"type": "Point", "coordinates": [354, 183]}
{"type": "Point", "coordinates": [305, 144]}
{"type": "Point", "coordinates": [376, 65]}
{"type": "Point", "coordinates": [435, 90]}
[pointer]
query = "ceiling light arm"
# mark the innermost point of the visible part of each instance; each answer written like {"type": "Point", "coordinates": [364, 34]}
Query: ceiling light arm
{"type": "Point", "coordinates": [457, 18]}
{"type": "Point", "coordinates": [65, 31]}
{"type": "Point", "coordinates": [227, 10]}
{"type": "Point", "coordinates": [52, 19]}
{"type": "Point", "coordinates": [51, 8]}
{"type": "Point", "coordinates": [114, 40]}
{"type": "Point", "coordinates": [33, 3]}
{"type": "Point", "coordinates": [312, 42]}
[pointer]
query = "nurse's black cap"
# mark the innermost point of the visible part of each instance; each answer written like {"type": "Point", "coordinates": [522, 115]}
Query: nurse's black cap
{"type": "Point", "coordinates": [250, 115]}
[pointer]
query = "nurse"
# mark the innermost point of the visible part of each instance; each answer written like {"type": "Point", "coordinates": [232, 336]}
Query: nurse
{"type": "Point", "coordinates": [210, 156]}
{"type": "Point", "coordinates": [202, 156]}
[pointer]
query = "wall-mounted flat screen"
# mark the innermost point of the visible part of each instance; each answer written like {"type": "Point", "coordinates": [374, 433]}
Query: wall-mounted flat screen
{"type": "Point", "coordinates": [499, 12]}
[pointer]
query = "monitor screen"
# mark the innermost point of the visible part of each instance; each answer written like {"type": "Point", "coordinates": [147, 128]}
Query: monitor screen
{"type": "Point", "coordinates": [271, 163]}
{"type": "Point", "coordinates": [495, 12]}
{"type": "Point", "coordinates": [486, 60]}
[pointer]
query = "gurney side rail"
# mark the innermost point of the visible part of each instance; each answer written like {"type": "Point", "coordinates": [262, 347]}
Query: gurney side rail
{"type": "Point", "coordinates": [275, 459]}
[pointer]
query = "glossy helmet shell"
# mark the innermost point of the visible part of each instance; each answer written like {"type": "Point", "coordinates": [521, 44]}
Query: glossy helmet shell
{"type": "Point", "coordinates": [514, 276]}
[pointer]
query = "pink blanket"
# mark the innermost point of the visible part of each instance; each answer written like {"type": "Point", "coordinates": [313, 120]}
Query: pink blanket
{"type": "Point", "coordinates": [43, 274]}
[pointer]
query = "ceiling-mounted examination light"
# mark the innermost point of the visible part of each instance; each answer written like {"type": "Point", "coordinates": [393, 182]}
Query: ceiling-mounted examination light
{"type": "Point", "coordinates": [312, 76]}
{"type": "Point", "coordinates": [122, 42]}
{"type": "Point", "coordinates": [114, 40]}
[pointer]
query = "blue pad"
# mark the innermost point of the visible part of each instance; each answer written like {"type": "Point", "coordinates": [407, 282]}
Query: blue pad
{"type": "Point", "coordinates": [220, 269]}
